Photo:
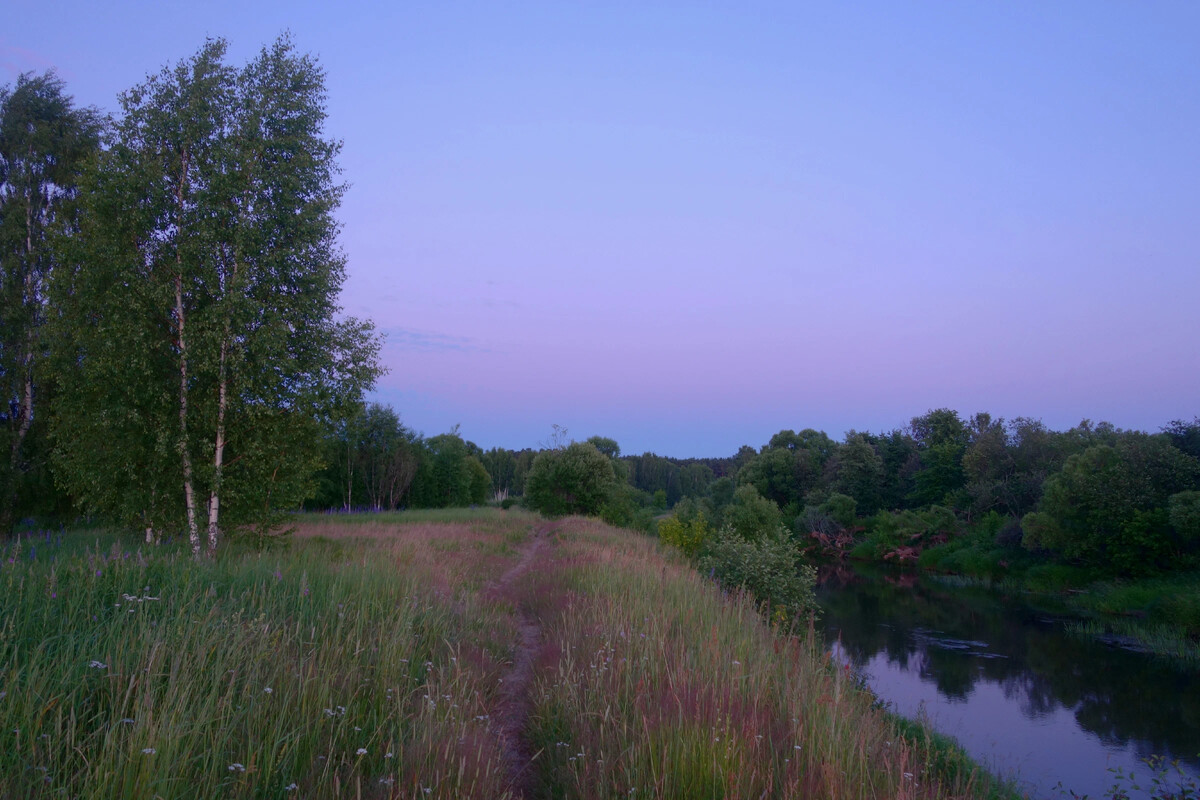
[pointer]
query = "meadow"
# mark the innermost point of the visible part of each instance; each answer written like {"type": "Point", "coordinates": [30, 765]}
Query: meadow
{"type": "Point", "coordinates": [481, 654]}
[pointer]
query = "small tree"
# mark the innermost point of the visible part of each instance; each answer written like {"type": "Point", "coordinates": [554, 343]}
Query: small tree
{"type": "Point", "coordinates": [573, 480]}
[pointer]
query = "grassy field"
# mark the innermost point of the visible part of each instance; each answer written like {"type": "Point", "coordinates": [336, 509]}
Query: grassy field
{"type": "Point", "coordinates": [480, 654]}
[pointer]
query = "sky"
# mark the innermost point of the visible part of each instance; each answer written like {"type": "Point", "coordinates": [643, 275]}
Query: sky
{"type": "Point", "coordinates": [687, 226]}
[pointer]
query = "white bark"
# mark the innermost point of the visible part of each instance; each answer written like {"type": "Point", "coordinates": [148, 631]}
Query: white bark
{"type": "Point", "coordinates": [189, 493]}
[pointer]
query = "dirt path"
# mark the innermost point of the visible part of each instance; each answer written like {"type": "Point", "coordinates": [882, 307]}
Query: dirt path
{"type": "Point", "coordinates": [516, 704]}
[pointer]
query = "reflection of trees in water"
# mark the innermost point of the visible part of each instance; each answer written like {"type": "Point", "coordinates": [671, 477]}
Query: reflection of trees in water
{"type": "Point", "coordinates": [928, 628]}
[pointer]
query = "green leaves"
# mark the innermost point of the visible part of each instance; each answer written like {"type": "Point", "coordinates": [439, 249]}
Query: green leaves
{"type": "Point", "coordinates": [573, 480]}
{"type": "Point", "coordinates": [200, 330]}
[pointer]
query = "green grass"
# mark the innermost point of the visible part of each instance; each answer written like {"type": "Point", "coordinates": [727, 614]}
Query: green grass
{"type": "Point", "coordinates": [367, 660]}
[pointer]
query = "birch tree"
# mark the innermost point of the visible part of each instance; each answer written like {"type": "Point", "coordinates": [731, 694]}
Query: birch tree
{"type": "Point", "coordinates": [201, 314]}
{"type": "Point", "coordinates": [43, 143]}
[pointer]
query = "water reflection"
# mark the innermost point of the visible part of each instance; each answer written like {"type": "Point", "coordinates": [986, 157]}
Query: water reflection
{"type": "Point", "coordinates": [999, 674]}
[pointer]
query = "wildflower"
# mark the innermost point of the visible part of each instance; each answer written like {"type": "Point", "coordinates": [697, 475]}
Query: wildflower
{"type": "Point", "coordinates": [291, 787]}
{"type": "Point", "coordinates": [126, 721]}
{"type": "Point", "coordinates": [362, 751]}
{"type": "Point", "coordinates": [267, 690]}
{"type": "Point", "coordinates": [97, 664]}
{"type": "Point", "coordinates": [149, 751]}
{"type": "Point", "coordinates": [236, 767]}
{"type": "Point", "coordinates": [387, 755]}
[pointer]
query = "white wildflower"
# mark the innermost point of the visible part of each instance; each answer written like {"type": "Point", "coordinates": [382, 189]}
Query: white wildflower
{"type": "Point", "coordinates": [236, 767]}
{"type": "Point", "coordinates": [362, 751]}
{"type": "Point", "coordinates": [97, 665]}
{"type": "Point", "coordinates": [149, 751]}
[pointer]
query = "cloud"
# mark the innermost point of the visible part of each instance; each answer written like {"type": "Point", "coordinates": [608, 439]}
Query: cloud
{"type": "Point", "coordinates": [16, 60]}
{"type": "Point", "coordinates": [430, 341]}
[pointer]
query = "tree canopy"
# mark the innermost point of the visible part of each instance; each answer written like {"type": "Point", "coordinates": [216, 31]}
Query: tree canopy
{"type": "Point", "coordinates": [197, 313]}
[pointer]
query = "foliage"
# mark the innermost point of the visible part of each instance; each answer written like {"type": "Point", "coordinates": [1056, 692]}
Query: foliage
{"type": "Point", "coordinates": [626, 507]}
{"type": "Point", "coordinates": [789, 466]}
{"type": "Point", "coordinates": [605, 445]}
{"type": "Point", "coordinates": [690, 536]}
{"type": "Point", "coordinates": [902, 535]}
{"type": "Point", "coordinates": [576, 479]}
{"type": "Point", "coordinates": [751, 515]}
{"type": "Point", "coordinates": [769, 568]}
{"type": "Point", "coordinates": [1183, 511]}
{"type": "Point", "coordinates": [200, 349]}
{"type": "Point", "coordinates": [1107, 506]}
{"type": "Point", "coordinates": [44, 143]}
{"type": "Point", "coordinates": [450, 474]}
{"type": "Point", "coordinates": [841, 508]}
{"type": "Point", "coordinates": [858, 472]}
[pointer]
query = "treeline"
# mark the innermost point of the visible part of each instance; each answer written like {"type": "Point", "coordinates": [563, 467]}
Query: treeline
{"type": "Point", "coordinates": [373, 462]}
{"type": "Point", "coordinates": [941, 489]}
{"type": "Point", "coordinates": [978, 493]}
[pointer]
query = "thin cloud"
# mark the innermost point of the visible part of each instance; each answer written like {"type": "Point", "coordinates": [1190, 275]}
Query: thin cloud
{"type": "Point", "coordinates": [428, 341]}
{"type": "Point", "coordinates": [17, 60]}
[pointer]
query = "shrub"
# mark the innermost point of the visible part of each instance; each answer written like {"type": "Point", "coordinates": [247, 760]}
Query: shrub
{"type": "Point", "coordinates": [769, 568]}
{"type": "Point", "coordinates": [689, 535]}
{"type": "Point", "coordinates": [752, 516]}
{"type": "Point", "coordinates": [577, 479]}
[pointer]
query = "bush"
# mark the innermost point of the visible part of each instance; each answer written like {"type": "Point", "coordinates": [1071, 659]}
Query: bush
{"type": "Point", "coordinates": [577, 479]}
{"type": "Point", "coordinates": [752, 516]}
{"type": "Point", "coordinates": [769, 568]}
{"type": "Point", "coordinates": [904, 534]}
{"type": "Point", "coordinates": [689, 535]}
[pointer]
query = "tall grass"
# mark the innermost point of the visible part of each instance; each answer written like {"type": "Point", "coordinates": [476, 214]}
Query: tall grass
{"type": "Point", "coordinates": [654, 684]}
{"type": "Point", "coordinates": [329, 670]}
{"type": "Point", "coordinates": [368, 660]}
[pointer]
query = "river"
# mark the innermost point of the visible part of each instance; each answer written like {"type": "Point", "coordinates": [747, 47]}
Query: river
{"type": "Point", "coordinates": [998, 672]}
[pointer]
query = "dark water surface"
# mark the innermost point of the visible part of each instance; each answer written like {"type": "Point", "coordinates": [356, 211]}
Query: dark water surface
{"type": "Point", "coordinates": [999, 673]}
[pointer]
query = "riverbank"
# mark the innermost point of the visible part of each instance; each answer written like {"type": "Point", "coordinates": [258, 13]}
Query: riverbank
{"type": "Point", "coordinates": [481, 656]}
{"type": "Point", "coordinates": [999, 672]}
{"type": "Point", "coordinates": [1160, 614]}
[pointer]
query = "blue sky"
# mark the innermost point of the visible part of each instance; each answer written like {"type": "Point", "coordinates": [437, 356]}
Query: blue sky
{"type": "Point", "coordinates": [688, 226]}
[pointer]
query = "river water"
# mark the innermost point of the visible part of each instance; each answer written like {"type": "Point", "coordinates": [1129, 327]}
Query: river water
{"type": "Point", "coordinates": [999, 673]}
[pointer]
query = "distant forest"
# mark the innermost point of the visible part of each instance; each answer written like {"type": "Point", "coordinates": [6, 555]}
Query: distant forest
{"type": "Point", "coordinates": [1119, 500]}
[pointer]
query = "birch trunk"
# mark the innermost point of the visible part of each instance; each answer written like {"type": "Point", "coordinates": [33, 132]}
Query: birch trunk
{"type": "Point", "coordinates": [185, 457]}
{"type": "Point", "coordinates": [25, 400]}
{"type": "Point", "coordinates": [214, 497]}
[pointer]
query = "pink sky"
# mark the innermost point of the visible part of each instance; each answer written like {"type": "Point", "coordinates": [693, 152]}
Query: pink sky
{"type": "Point", "coordinates": [690, 229]}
